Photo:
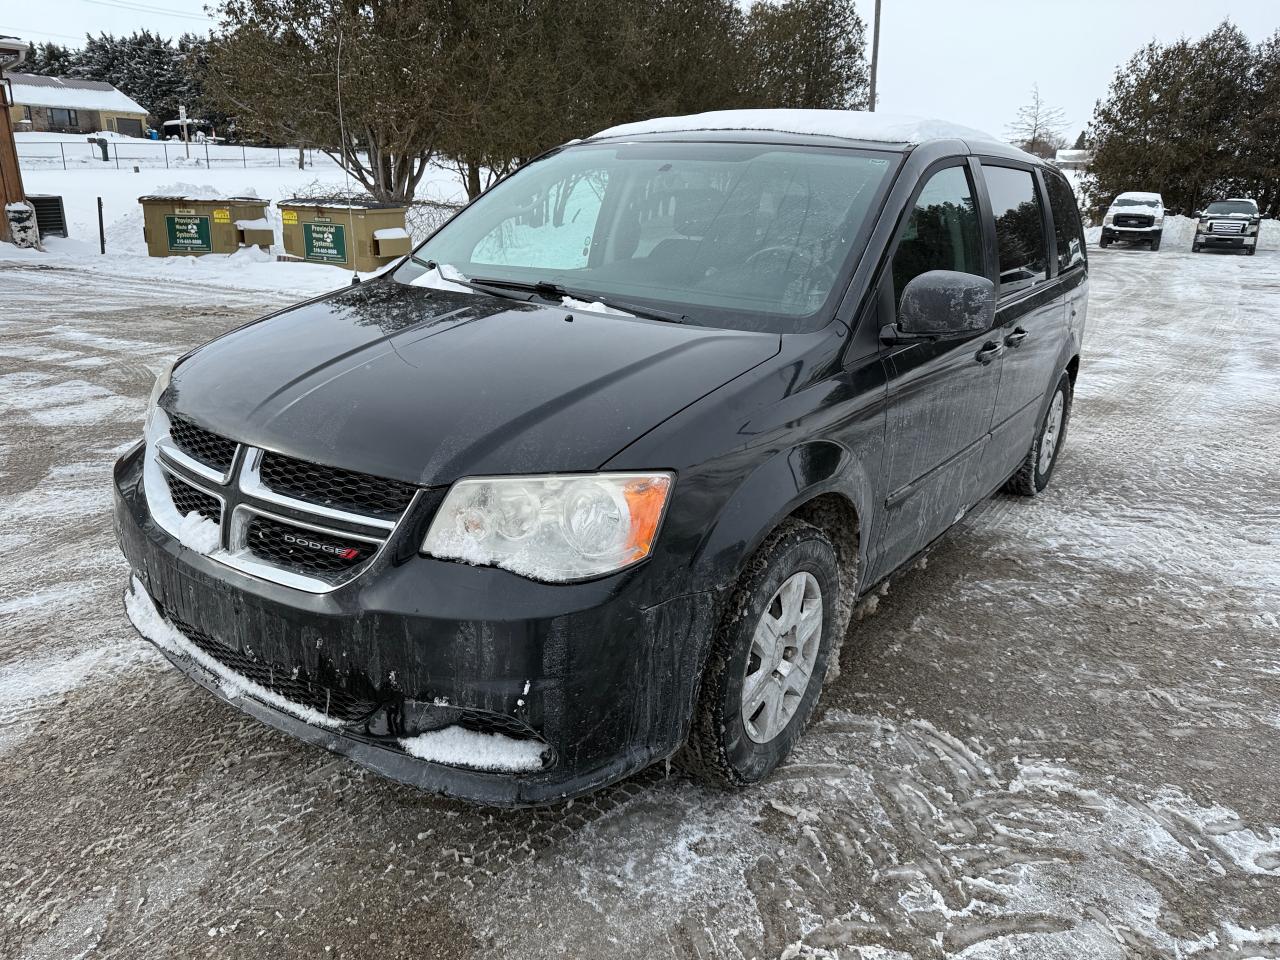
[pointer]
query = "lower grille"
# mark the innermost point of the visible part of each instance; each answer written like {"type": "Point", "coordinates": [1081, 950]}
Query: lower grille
{"type": "Point", "coordinates": [330, 696]}
{"type": "Point", "coordinates": [306, 551]}
{"type": "Point", "coordinates": [187, 499]}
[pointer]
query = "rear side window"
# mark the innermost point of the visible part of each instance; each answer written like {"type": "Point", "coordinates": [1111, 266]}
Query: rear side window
{"type": "Point", "coordinates": [942, 233]}
{"type": "Point", "coordinates": [1015, 204]}
{"type": "Point", "coordinates": [1066, 223]}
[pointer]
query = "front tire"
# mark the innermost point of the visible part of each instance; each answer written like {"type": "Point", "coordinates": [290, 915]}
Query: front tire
{"type": "Point", "coordinates": [1155, 242]}
{"type": "Point", "coordinates": [1195, 248]}
{"type": "Point", "coordinates": [1037, 467]}
{"type": "Point", "coordinates": [1104, 242]}
{"type": "Point", "coordinates": [1249, 251]}
{"type": "Point", "coordinates": [768, 659]}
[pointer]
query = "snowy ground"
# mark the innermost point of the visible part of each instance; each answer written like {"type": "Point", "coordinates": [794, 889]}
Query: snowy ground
{"type": "Point", "coordinates": [83, 183]}
{"type": "Point", "coordinates": [1059, 739]}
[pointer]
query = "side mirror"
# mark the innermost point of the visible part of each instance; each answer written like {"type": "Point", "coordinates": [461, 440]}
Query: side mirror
{"type": "Point", "coordinates": [943, 304]}
{"type": "Point", "coordinates": [1198, 214]}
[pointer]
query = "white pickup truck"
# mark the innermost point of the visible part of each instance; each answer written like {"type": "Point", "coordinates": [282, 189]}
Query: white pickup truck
{"type": "Point", "coordinates": [1136, 217]}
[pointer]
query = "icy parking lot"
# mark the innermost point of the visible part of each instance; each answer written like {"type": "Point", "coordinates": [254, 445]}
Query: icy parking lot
{"type": "Point", "coordinates": [1060, 738]}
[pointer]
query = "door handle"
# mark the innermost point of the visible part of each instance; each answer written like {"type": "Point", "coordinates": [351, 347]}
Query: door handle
{"type": "Point", "coordinates": [1015, 338]}
{"type": "Point", "coordinates": [990, 350]}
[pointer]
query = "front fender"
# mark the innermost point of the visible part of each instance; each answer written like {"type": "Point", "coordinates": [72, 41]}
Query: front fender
{"type": "Point", "coordinates": [773, 491]}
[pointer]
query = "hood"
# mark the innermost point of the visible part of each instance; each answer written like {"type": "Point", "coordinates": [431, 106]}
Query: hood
{"type": "Point", "coordinates": [427, 386]}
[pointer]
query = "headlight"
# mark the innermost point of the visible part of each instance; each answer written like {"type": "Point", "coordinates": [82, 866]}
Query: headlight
{"type": "Point", "coordinates": [1106, 221]}
{"type": "Point", "coordinates": [554, 528]}
{"type": "Point", "coordinates": [1159, 220]}
{"type": "Point", "coordinates": [162, 383]}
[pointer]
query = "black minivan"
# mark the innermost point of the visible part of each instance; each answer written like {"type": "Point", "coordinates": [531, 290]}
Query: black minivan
{"type": "Point", "coordinates": [595, 477]}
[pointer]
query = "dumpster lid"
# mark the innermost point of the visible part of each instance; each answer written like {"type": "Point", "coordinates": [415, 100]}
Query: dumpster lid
{"type": "Point", "coordinates": [342, 203]}
{"type": "Point", "coordinates": [170, 197]}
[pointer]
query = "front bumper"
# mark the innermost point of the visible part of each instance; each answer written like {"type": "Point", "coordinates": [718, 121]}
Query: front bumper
{"type": "Point", "coordinates": [1130, 233]}
{"type": "Point", "coordinates": [601, 673]}
{"type": "Point", "coordinates": [1226, 240]}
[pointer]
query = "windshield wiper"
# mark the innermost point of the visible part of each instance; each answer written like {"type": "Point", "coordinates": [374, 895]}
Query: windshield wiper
{"type": "Point", "coordinates": [502, 287]}
{"type": "Point", "coordinates": [550, 291]}
{"type": "Point", "coordinates": [482, 287]}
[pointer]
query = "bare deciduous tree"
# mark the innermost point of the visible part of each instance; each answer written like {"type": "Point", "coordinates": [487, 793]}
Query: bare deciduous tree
{"type": "Point", "coordinates": [1037, 127]}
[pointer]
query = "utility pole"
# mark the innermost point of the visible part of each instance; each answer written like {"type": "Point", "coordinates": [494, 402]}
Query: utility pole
{"type": "Point", "coordinates": [12, 52]}
{"type": "Point", "coordinates": [875, 57]}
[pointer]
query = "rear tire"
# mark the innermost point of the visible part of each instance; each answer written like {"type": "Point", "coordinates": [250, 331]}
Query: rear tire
{"type": "Point", "coordinates": [1037, 467]}
{"type": "Point", "coordinates": [753, 705]}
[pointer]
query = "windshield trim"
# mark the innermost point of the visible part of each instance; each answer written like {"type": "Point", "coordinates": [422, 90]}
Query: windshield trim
{"type": "Point", "coordinates": [704, 315]}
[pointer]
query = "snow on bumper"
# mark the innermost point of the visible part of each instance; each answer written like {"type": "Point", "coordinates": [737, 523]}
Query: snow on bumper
{"type": "Point", "coordinates": [584, 683]}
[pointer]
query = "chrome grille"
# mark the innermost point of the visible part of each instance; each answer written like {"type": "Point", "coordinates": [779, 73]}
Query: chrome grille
{"type": "Point", "coordinates": [1226, 226]}
{"type": "Point", "coordinates": [289, 521]}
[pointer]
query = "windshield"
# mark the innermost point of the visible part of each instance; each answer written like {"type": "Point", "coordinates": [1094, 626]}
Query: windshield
{"type": "Point", "coordinates": [1224, 207]}
{"type": "Point", "coordinates": [1135, 202]}
{"type": "Point", "coordinates": [750, 236]}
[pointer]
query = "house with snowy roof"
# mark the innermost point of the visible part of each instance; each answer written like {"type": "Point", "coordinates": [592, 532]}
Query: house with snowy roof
{"type": "Point", "coordinates": [64, 105]}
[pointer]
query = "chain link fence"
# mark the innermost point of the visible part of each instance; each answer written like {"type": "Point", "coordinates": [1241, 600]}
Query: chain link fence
{"type": "Point", "coordinates": [164, 154]}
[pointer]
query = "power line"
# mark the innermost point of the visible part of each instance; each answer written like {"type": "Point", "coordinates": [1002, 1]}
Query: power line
{"type": "Point", "coordinates": [14, 31]}
{"type": "Point", "coordinates": [146, 8]}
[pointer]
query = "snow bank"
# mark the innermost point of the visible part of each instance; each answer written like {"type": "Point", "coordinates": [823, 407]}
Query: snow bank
{"type": "Point", "coordinates": [148, 622]}
{"type": "Point", "coordinates": [846, 124]}
{"type": "Point", "coordinates": [460, 747]}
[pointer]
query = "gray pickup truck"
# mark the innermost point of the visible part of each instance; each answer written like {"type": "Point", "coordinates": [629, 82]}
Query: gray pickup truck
{"type": "Point", "coordinates": [1228, 223]}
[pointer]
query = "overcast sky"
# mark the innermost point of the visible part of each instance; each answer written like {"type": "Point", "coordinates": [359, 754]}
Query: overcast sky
{"type": "Point", "coordinates": [969, 61]}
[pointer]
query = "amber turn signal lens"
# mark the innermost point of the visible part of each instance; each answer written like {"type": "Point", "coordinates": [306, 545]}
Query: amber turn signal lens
{"type": "Point", "coordinates": [646, 497]}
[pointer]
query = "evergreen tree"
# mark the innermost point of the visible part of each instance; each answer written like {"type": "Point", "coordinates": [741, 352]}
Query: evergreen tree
{"type": "Point", "coordinates": [1183, 119]}
{"type": "Point", "coordinates": [143, 65]}
{"type": "Point", "coordinates": [826, 71]}
{"type": "Point", "coordinates": [48, 60]}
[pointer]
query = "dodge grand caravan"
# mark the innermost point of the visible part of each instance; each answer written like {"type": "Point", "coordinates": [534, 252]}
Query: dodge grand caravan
{"type": "Point", "coordinates": [595, 476]}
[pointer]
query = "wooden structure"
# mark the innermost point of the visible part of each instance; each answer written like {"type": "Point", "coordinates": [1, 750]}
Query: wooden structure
{"type": "Point", "coordinates": [12, 52]}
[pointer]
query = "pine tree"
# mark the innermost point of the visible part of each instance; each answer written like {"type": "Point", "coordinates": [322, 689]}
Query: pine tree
{"type": "Point", "coordinates": [827, 71]}
{"type": "Point", "coordinates": [1183, 120]}
{"type": "Point", "coordinates": [48, 60]}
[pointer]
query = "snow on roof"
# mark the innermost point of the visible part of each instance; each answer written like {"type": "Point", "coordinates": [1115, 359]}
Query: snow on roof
{"type": "Point", "coordinates": [30, 90]}
{"type": "Point", "coordinates": [845, 124]}
{"type": "Point", "coordinates": [1139, 195]}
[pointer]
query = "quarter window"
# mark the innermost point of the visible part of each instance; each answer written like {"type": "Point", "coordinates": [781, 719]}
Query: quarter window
{"type": "Point", "coordinates": [942, 233]}
{"type": "Point", "coordinates": [1066, 223]}
{"type": "Point", "coordinates": [1015, 204]}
